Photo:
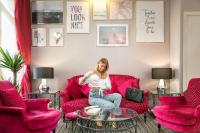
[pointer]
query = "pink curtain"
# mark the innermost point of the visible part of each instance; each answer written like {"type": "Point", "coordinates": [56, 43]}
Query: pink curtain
{"type": "Point", "coordinates": [23, 36]}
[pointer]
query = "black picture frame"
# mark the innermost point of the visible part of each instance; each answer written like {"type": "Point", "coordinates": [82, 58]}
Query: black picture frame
{"type": "Point", "coordinates": [47, 12]}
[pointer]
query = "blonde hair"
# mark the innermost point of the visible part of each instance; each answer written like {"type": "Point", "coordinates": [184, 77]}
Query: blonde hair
{"type": "Point", "coordinates": [104, 61]}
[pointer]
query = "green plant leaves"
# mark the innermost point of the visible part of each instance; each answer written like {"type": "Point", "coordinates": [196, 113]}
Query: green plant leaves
{"type": "Point", "coordinates": [13, 63]}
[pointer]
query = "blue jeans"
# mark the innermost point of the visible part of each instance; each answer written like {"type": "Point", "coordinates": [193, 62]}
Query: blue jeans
{"type": "Point", "coordinates": [109, 101]}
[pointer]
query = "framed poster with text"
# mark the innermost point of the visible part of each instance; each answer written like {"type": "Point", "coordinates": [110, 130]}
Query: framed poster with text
{"type": "Point", "coordinates": [149, 21]}
{"type": "Point", "coordinates": [78, 17]}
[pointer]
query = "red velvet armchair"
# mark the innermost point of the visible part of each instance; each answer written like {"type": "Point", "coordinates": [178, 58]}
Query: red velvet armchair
{"type": "Point", "coordinates": [181, 113]}
{"type": "Point", "coordinates": [25, 116]}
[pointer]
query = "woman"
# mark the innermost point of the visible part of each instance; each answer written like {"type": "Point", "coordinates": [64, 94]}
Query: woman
{"type": "Point", "coordinates": [99, 80]}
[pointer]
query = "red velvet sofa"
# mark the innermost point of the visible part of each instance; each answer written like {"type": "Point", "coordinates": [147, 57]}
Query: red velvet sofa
{"type": "Point", "coordinates": [25, 116]}
{"type": "Point", "coordinates": [181, 113]}
{"type": "Point", "coordinates": [75, 97]}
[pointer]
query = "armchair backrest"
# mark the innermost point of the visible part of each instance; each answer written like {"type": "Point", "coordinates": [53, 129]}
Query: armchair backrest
{"type": "Point", "coordinates": [4, 84]}
{"type": "Point", "coordinates": [9, 95]}
{"type": "Point", "coordinates": [192, 94]}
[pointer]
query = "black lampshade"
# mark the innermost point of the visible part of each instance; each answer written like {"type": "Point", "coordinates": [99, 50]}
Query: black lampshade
{"type": "Point", "coordinates": [161, 73]}
{"type": "Point", "coordinates": [43, 73]}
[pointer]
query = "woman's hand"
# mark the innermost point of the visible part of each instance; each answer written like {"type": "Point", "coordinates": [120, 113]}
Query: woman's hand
{"type": "Point", "coordinates": [95, 88]}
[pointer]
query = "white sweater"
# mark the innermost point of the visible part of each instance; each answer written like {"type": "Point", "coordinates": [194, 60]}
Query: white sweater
{"type": "Point", "coordinates": [94, 81]}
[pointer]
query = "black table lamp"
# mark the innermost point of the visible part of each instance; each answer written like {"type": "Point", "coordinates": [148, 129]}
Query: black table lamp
{"type": "Point", "coordinates": [43, 73]}
{"type": "Point", "coordinates": [161, 74]}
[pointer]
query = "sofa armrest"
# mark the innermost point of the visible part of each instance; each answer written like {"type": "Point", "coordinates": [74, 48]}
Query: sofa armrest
{"type": "Point", "coordinates": [10, 114]}
{"type": "Point", "coordinates": [172, 100]}
{"type": "Point", "coordinates": [65, 96]}
{"type": "Point", "coordinates": [37, 104]}
{"type": "Point", "coordinates": [146, 95]}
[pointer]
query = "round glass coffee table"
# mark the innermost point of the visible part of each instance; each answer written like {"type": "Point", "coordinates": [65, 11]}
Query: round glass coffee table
{"type": "Point", "coordinates": [107, 121]}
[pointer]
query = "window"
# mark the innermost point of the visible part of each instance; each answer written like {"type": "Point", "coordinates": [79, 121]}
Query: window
{"type": "Point", "coordinates": [7, 31]}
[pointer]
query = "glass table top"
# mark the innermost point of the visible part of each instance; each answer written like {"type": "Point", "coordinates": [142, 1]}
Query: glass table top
{"type": "Point", "coordinates": [116, 114]}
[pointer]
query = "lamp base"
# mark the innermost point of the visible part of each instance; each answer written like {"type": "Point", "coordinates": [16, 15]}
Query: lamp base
{"type": "Point", "coordinates": [161, 91]}
{"type": "Point", "coordinates": [43, 86]}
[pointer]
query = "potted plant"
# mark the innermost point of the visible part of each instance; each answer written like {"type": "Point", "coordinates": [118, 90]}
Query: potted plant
{"type": "Point", "coordinates": [13, 63]}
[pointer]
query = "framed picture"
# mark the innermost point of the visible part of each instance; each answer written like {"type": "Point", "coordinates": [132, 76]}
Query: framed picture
{"type": "Point", "coordinates": [112, 35]}
{"type": "Point", "coordinates": [78, 17]}
{"type": "Point", "coordinates": [149, 21]}
{"type": "Point", "coordinates": [55, 36]}
{"type": "Point", "coordinates": [99, 10]}
{"type": "Point", "coordinates": [47, 12]}
{"type": "Point", "coordinates": [38, 37]}
{"type": "Point", "coordinates": [121, 9]}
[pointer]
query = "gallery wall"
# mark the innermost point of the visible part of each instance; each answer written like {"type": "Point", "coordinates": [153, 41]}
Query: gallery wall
{"type": "Point", "coordinates": [80, 54]}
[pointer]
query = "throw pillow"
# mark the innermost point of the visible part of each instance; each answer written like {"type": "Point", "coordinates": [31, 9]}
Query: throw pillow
{"type": "Point", "coordinates": [135, 95]}
{"type": "Point", "coordinates": [11, 97]}
{"type": "Point", "coordinates": [122, 87]}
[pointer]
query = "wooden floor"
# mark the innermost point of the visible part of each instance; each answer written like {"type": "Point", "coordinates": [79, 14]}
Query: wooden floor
{"type": "Point", "coordinates": [148, 127]}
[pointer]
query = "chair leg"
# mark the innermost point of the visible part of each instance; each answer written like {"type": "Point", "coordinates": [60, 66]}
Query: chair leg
{"type": "Point", "coordinates": [145, 117]}
{"type": "Point", "coordinates": [63, 117]}
{"type": "Point", "coordinates": [54, 131]}
{"type": "Point", "coordinates": [159, 128]}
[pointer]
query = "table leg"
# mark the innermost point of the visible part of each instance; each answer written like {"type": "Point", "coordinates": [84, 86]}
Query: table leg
{"type": "Point", "coordinates": [153, 100]}
{"type": "Point", "coordinates": [54, 100]}
{"type": "Point", "coordinates": [59, 100]}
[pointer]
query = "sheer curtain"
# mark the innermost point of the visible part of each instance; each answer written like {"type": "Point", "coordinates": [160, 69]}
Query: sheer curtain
{"type": "Point", "coordinates": [7, 32]}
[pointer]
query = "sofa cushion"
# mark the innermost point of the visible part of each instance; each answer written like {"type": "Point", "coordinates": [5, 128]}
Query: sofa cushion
{"type": "Point", "coordinates": [140, 108]}
{"type": "Point", "coordinates": [11, 97]}
{"type": "Point", "coordinates": [42, 119]}
{"type": "Point", "coordinates": [118, 80]}
{"type": "Point", "coordinates": [74, 105]}
{"type": "Point", "coordinates": [123, 86]}
{"type": "Point", "coordinates": [181, 114]}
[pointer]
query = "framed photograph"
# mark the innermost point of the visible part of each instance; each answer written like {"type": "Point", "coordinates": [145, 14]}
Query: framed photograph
{"type": "Point", "coordinates": [38, 37]}
{"type": "Point", "coordinates": [112, 35]}
{"type": "Point", "coordinates": [55, 36]}
{"type": "Point", "coordinates": [121, 9]}
{"type": "Point", "coordinates": [47, 12]}
{"type": "Point", "coordinates": [99, 10]}
{"type": "Point", "coordinates": [78, 17]}
{"type": "Point", "coordinates": [149, 21]}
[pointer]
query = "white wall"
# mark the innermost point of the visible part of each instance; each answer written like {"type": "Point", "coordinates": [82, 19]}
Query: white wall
{"type": "Point", "coordinates": [175, 44]}
{"type": "Point", "coordinates": [178, 7]}
{"type": "Point", "coordinates": [80, 54]}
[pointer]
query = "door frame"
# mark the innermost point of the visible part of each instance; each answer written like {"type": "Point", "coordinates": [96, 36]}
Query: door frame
{"type": "Point", "coordinates": [186, 16]}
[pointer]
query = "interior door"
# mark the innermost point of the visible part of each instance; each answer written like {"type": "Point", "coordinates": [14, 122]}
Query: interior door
{"type": "Point", "coordinates": [191, 47]}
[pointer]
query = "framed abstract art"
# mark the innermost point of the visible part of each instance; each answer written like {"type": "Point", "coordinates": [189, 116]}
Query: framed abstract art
{"type": "Point", "coordinates": [112, 35]}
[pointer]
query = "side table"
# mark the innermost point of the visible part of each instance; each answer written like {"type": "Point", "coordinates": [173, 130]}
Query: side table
{"type": "Point", "coordinates": [54, 93]}
{"type": "Point", "coordinates": [155, 94]}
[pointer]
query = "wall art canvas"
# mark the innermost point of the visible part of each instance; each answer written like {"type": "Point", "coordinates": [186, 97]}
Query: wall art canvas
{"type": "Point", "coordinates": [78, 17]}
{"type": "Point", "coordinates": [99, 10]}
{"type": "Point", "coordinates": [56, 37]}
{"type": "Point", "coordinates": [112, 35]}
{"type": "Point", "coordinates": [121, 9]}
{"type": "Point", "coordinates": [47, 12]}
{"type": "Point", "coordinates": [149, 21]}
{"type": "Point", "coordinates": [38, 37]}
